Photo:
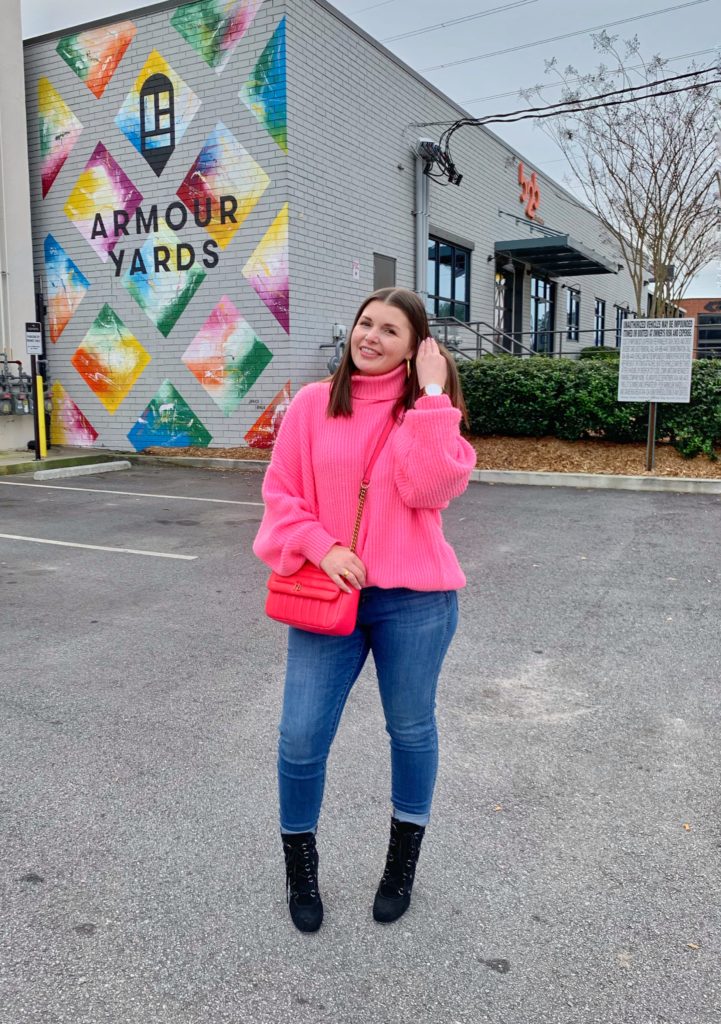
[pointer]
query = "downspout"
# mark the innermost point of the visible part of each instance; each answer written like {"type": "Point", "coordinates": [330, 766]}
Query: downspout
{"type": "Point", "coordinates": [425, 153]}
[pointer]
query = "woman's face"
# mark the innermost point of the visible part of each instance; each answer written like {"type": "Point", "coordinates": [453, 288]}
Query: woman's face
{"type": "Point", "coordinates": [382, 338]}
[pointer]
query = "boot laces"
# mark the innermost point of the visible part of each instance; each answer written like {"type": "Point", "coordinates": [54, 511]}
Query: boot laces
{"type": "Point", "coordinates": [301, 879]}
{"type": "Point", "coordinates": [403, 852]}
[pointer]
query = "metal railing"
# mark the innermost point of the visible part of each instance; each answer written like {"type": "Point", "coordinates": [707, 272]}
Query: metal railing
{"type": "Point", "coordinates": [478, 338]}
{"type": "Point", "coordinates": [709, 350]}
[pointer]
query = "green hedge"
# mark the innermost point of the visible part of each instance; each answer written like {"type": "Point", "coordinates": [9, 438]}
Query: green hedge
{"type": "Point", "coordinates": [573, 399]}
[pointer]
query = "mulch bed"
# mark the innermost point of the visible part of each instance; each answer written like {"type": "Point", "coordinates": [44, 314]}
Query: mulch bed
{"type": "Point", "coordinates": [537, 454]}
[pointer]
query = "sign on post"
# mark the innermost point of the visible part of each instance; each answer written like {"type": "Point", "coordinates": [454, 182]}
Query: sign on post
{"type": "Point", "coordinates": [33, 339]}
{"type": "Point", "coordinates": [656, 360]}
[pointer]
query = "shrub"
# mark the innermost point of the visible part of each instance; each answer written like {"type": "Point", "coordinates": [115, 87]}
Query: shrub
{"type": "Point", "coordinates": [600, 352]}
{"type": "Point", "coordinates": [572, 399]}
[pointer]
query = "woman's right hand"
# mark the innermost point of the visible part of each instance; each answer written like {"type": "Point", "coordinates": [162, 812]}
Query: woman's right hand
{"type": "Point", "coordinates": [344, 568]}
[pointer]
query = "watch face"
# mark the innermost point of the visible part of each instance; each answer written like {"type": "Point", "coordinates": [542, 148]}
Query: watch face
{"type": "Point", "coordinates": [433, 389]}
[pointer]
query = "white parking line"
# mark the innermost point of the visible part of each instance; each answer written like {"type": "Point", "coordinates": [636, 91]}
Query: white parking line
{"type": "Point", "coordinates": [96, 547]}
{"type": "Point", "coordinates": [132, 494]}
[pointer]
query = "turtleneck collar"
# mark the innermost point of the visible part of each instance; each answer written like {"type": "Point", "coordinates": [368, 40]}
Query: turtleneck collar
{"type": "Point", "coordinates": [382, 387]}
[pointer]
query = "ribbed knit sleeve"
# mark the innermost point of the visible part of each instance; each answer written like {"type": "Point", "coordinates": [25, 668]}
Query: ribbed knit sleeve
{"type": "Point", "coordinates": [432, 461]}
{"type": "Point", "coordinates": [290, 531]}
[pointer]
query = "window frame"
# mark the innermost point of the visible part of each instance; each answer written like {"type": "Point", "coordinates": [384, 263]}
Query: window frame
{"type": "Point", "coordinates": [599, 317]}
{"type": "Point", "coordinates": [548, 300]}
{"type": "Point", "coordinates": [573, 314]}
{"type": "Point", "coordinates": [434, 298]}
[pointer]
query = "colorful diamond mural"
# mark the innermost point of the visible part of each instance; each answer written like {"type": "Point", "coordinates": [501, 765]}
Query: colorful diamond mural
{"type": "Point", "coordinates": [157, 112]}
{"type": "Point", "coordinates": [94, 55]}
{"type": "Point", "coordinates": [265, 429]}
{"type": "Point", "coordinates": [215, 27]}
{"type": "Point", "coordinates": [226, 181]}
{"type": "Point", "coordinates": [267, 269]}
{"type": "Point", "coordinates": [264, 91]}
{"type": "Point", "coordinates": [163, 277]}
{"type": "Point", "coordinates": [227, 356]}
{"type": "Point", "coordinates": [102, 189]}
{"type": "Point", "coordinates": [110, 359]}
{"type": "Point", "coordinates": [68, 425]}
{"type": "Point", "coordinates": [59, 131]}
{"type": "Point", "coordinates": [66, 287]}
{"type": "Point", "coordinates": [168, 422]}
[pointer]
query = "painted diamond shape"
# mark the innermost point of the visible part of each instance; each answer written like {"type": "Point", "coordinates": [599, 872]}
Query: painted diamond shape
{"type": "Point", "coordinates": [102, 190]}
{"type": "Point", "coordinates": [163, 277]}
{"type": "Point", "coordinates": [59, 131]}
{"type": "Point", "coordinates": [215, 27]}
{"type": "Point", "coordinates": [168, 422]}
{"type": "Point", "coordinates": [227, 356]}
{"type": "Point", "coordinates": [110, 359]}
{"type": "Point", "coordinates": [223, 185]}
{"type": "Point", "coordinates": [157, 112]}
{"type": "Point", "coordinates": [68, 424]}
{"type": "Point", "coordinates": [265, 429]}
{"type": "Point", "coordinates": [267, 269]}
{"type": "Point", "coordinates": [264, 91]}
{"type": "Point", "coordinates": [94, 55]}
{"type": "Point", "coordinates": [66, 286]}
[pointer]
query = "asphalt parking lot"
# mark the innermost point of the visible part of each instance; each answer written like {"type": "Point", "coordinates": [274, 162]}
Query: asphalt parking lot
{"type": "Point", "coordinates": [570, 874]}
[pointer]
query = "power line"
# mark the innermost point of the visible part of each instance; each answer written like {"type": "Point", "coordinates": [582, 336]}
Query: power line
{"type": "Point", "coordinates": [458, 21]}
{"type": "Point", "coordinates": [442, 155]}
{"type": "Point", "coordinates": [575, 109]}
{"type": "Point", "coordinates": [565, 35]}
{"type": "Point", "coordinates": [371, 7]}
{"type": "Point", "coordinates": [578, 105]}
{"type": "Point", "coordinates": [570, 81]}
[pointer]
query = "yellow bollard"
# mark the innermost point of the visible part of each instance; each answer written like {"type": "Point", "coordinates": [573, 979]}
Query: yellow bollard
{"type": "Point", "coordinates": [39, 398]}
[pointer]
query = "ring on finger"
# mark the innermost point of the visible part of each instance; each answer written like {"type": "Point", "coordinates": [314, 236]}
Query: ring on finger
{"type": "Point", "coordinates": [346, 572]}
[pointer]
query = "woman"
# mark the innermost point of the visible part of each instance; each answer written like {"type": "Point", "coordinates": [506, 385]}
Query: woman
{"type": "Point", "coordinates": [407, 573]}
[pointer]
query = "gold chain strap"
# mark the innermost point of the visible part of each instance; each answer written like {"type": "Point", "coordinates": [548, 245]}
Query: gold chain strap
{"type": "Point", "coordinates": [361, 503]}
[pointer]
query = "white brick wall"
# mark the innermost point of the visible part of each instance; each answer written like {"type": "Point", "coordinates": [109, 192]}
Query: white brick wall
{"type": "Point", "coordinates": [352, 107]}
{"type": "Point", "coordinates": [349, 180]}
{"type": "Point", "coordinates": [220, 102]}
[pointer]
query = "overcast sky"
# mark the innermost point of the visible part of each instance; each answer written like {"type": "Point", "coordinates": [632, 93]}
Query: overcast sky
{"type": "Point", "coordinates": [690, 32]}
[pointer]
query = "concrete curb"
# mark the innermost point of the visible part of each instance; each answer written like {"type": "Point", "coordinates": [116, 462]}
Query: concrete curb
{"type": "Point", "coordinates": [83, 470]}
{"type": "Point", "coordinates": [256, 465]}
{"type": "Point", "coordinates": [13, 468]}
{"type": "Point", "coordinates": [600, 481]}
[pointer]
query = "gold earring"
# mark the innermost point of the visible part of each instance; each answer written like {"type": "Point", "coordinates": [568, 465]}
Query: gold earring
{"type": "Point", "coordinates": [408, 368]}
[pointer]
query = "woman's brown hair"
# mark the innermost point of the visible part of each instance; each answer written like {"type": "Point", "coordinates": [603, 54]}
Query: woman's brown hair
{"type": "Point", "coordinates": [341, 401]}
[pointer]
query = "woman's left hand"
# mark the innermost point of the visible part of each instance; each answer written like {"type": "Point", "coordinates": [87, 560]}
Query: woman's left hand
{"type": "Point", "coordinates": [431, 365]}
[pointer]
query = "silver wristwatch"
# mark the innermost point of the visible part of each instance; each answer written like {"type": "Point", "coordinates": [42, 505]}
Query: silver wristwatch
{"type": "Point", "coordinates": [432, 390]}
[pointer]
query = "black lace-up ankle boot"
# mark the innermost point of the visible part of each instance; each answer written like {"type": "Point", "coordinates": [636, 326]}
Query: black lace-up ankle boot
{"type": "Point", "coordinates": [301, 880]}
{"type": "Point", "coordinates": [394, 892]}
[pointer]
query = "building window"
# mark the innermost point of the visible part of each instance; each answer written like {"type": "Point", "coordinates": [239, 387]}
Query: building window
{"type": "Point", "coordinates": [543, 294]}
{"type": "Point", "coordinates": [621, 315]}
{"type": "Point", "coordinates": [599, 321]}
{"type": "Point", "coordinates": [709, 336]}
{"type": "Point", "coordinates": [384, 271]}
{"type": "Point", "coordinates": [573, 313]}
{"type": "Point", "coordinates": [449, 280]}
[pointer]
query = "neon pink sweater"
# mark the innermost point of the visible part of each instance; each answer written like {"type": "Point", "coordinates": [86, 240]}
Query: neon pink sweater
{"type": "Point", "coordinates": [311, 485]}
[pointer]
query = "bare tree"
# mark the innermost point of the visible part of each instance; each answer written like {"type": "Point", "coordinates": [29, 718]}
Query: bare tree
{"type": "Point", "coordinates": [646, 168]}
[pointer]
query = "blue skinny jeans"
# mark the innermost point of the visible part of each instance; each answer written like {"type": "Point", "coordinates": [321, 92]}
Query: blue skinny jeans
{"type": "Point", "coordinates": [409, 632]}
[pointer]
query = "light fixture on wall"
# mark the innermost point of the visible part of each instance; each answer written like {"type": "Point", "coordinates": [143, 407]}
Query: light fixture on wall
{"type": "Point", "coordinates": [508, 267]}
